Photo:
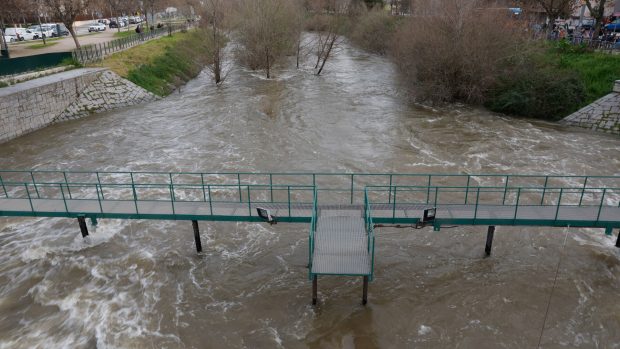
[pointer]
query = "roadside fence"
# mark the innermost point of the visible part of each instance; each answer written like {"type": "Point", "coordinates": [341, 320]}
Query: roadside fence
{"type": "Point", "coordinates": [97, 52]}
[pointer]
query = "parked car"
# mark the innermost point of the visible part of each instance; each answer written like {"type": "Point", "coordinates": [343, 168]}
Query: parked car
{"type": "Point", "coordinates": [133, 20]}
{"type": "Point", "coordinates": [42, 31]}
{"type": "Point", "coordinates": [10, 38]}
{"type": "Point", "coordinates": [21, 33]}
{"type": "Point", "coordinates": [58, 29]}
{"type": "Point", "coordinates": [103, 21]}
{"type": "Point", "coordinates": [588, 23]}
{"type": "Point", "coordinates": [96, 27]}
{"type": "Point", "coordinates": [613, 26]}
{"type": "Point", "coordinates": [115, 24]}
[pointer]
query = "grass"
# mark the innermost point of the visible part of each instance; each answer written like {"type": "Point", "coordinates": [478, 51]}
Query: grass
{"type": "Point", "coordinates": [41, 45]}
{"type": "Point", "coordinates": [560, 79]}
{"type": "Point", "coordinates": [161, 65]}
{"type": "Point", "coordinates": [123, 33]}
{"type": "Point", "coordinates": [597, 71]}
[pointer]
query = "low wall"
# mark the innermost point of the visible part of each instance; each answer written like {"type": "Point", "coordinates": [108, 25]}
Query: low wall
{"type": "Point", "coordinates": [34, 104]}
{"type": "Point", "coordinates": [602, 115]}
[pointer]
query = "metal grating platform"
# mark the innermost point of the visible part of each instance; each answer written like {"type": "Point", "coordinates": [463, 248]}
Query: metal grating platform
{"type": "Point", "coordinates": [341, 244]}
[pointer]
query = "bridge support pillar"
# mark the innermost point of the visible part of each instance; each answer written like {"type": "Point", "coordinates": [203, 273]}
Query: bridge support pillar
{"type": "Point", "coordinates": [490, 233]}
{"type": "Point", "coordinates": [93, 221]}
{"type": "Point", "coordinates": [197, 236]}
{"type": "Point", "coordinates": [315, 289]}
{"type": "Point", "coordinates": [83, 227]}
{"type": "Point", "coordinates": [365, 291]}
{"type": "Point", "coordinates": [618, 240]}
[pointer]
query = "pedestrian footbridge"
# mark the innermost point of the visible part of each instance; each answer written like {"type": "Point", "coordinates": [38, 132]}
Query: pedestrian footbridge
{"type": "Point", "coordinates": [342, 208]}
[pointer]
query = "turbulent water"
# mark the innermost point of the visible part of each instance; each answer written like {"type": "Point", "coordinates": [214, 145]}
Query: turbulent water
{"type": "Point", "coordinates": [140, 284]}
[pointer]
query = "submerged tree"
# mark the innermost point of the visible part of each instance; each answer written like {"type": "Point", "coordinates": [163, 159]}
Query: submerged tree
{"type": "Point", "coordinates": [267, 32]}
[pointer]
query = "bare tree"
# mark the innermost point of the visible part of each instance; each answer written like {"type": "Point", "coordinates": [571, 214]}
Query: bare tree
{"type": "Point", "coordinates": [267, 32]}
{"type": "Point", "coordinates": [598, 12]}
{"type": "Point", "coordinates": [557, 8]}
{"type": "Point", "coordinates": [329, 38]}
{"type": "Point", "coordinates": [214, 18]}
{"type": "Point", "coordinates": [66, 11]}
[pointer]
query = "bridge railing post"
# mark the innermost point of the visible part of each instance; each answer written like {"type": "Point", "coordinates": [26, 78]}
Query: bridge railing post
{"type": "Point", "coordinates": [542, 199]}
{"type": "Point", "coordinates": [64, 173]}
{"type": "Point", "coordinates": [517, 204]}
{"type": "Point", "coordinates": [585, 183]}
{"type": "Point", "coordinates": [34, 183]}
{"type": "Point", "coordinates": [210, 200]}
{"type": "Point", "coordinates": [271, 185]}
{"type": "Point", "coordinates": [172, 198]}
{"type": "Point", "coordinates": [428, 190]}
{"type": "Point", "coordinates": [4, 187]}
{"type": "Point", "coordinates": [288, 191]}
{"type": "Point", "coordinates": [390, 191]}
{"type": "Point", "coordinates": [557, 211]}
{"type": "Point", "coordinates": [467, 189]}
{"type": "Point", "coordinates": [98, 198]}
{"type": "Point", "coordinates": [505, 190]}
{"type": "Point", "coordinates": [249, 202]}
{"type": "Point", "coordinates": [352, 189]}
{"type": "Point", "coordinates": [63, 197]}
{"type": "Point", "coordinates": [600, 207]}
{"type": "Point", "coordinates": [135, 196]}
{"type": "Point", "coordinates": [477, 200]}
{"type": "Point", "coordinates": [394, 203]}
{"type": "Point", "coordinates": [100, 187]}
{"type": "Point", "coordinates": [239, 186]}
{"type": "Point", "coordinates": [202, 180]}
{"type": "Point", "coordinates": [29, 198]}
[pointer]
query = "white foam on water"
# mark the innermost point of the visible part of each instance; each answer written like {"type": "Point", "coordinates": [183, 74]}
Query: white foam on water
{"type": "Point", "coordinates": [424, 330]}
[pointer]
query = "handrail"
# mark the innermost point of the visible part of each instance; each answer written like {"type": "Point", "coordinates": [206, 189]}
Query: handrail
{"type": "Point", "coordinates": [370, 231]}
{"type": "Point", "coordinates": [311, 240]}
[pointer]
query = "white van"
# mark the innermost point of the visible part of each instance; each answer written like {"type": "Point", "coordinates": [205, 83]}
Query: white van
{"type": "Point", "coordinates": [21, 33]}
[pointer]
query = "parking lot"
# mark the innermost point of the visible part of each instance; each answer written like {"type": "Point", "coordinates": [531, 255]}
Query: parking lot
{"type": "Point", "coordinates": [65, 43]}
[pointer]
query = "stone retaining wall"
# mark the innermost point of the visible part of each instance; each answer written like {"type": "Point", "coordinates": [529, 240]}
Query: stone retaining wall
{"type": "Point", "coordinates": [34, 104]}
{"type": "Point", "coordinates": [602, 115]}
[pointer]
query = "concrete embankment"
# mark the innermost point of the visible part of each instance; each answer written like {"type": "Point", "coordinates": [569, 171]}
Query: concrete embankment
{"type": "Point", "coordinates": [35, 104]}
{"type": "Point", "coordinates": [602, 115]}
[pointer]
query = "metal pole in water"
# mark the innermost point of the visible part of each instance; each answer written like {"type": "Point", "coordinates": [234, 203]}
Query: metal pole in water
{"type": "Point", "coordinates": [197, 236]}
{"type": "Point", "coordinates": [314, 289]}
{"type": "Point", "coordinates": [618, 240]}
{"type": "Point", "coordinates": [490, 233]}
{"type": "Point", "coordinates": [83, 227]}
{"type": "Point", "coordinates": [365, 291]}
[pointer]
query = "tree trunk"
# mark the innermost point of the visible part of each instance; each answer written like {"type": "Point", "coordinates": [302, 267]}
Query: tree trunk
{"type": "Point", "coordinates": [329, 50]}
{"type": "Point", "coordinates": [268, 64]}
{"type": "Point", "coordinates": [72, 32]}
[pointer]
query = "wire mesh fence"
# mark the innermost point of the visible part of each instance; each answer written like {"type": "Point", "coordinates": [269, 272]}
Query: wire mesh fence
{"type": "Point", "coordinates": [97, 52]}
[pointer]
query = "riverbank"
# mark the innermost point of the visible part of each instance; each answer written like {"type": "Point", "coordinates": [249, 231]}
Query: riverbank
{"type": "Point", "coordinates": [160, 66]}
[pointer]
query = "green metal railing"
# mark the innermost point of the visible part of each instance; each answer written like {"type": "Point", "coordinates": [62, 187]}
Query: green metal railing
{"type": "Point", "coordinates": [353, 184]}
{"type": "Point", "coordinates": [334, 188]}
{"type": "Point", "coordinates": [370, 229]}
{"type": "Point", "coordinates": [400, 197]}
{"type": "Point", "coordinates": [174, 193]}
{"type": "Point", "coordinates": [313, 222]}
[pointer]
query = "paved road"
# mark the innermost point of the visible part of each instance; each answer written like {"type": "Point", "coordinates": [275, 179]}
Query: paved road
{"type": "Point", "coordinates": [65, 43]}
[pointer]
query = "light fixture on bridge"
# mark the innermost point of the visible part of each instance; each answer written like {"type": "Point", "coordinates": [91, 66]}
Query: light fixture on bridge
{"type": "Point", "coordinates": [429, 215]}
{"type": "Point", "coordinates": [266, 215]}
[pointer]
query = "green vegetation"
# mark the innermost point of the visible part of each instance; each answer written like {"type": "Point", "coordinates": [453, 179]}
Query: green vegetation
{"type": "Point", "coordinates": [162, 65]}
{"type": "Point", "coordinates": [41, 45]}
{"type": "Point", "coordinates": [3, 84]}
{"type": "Point", "coordinates": [559, 81]}
{"type": "Point", "coordinates": [124, 33]}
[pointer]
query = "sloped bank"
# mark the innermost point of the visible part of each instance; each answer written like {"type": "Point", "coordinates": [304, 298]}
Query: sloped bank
{"type": "Point", "coordinates": [160, 66]}
{"type": "Point", "coordinates": [602, 115]}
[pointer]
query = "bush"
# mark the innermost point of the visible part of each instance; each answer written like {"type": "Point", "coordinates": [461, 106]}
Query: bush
{"type": "Point", "coordinates": [542, 92]}
{"type": "Point", "coordinates": [456, 51]}
{"type": "Point", "coordinates": [374, 30]}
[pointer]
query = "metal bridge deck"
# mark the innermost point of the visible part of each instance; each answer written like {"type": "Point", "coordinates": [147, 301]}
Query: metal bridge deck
{"type": "Point", "coordinates": [341, 244]}
{"type": "Point", "coordinates": [303, 212]}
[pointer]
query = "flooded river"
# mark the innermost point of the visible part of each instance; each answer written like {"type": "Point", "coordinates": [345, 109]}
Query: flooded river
{"type": "Point", "coordinates": [140, 284]}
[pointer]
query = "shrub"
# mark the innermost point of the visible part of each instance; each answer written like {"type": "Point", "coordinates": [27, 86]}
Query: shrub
{"type": "Point", "coordinates": [541, 92]}
{"type": "Point", "coordinates": [374, 30]}
{"type": "Point", "coordinates": [456, 51]}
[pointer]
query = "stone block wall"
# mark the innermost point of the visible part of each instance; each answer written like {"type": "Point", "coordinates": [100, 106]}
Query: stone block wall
{"type": "Point", "coordinates": [34, 104]}
{"type": "Point", "coordinates": [602, 115]}
{"type": "Point", "coordinates": [108, 91]}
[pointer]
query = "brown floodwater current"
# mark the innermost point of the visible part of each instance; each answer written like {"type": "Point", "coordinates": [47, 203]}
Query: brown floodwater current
{"type": "Point", "coordinates": [140, 284]}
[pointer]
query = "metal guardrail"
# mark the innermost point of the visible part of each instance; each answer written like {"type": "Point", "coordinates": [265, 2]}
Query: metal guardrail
{"type": "Point", "coordinates": [97, 52]}
{"type": "Point", "coordinates": [370, 229]}
{"type": "Point", "coordinates": [311, 239]}
{"type": "Point", "coordinates": [350, 185]}
{"type": "Point", "coordinates": [480, 197]}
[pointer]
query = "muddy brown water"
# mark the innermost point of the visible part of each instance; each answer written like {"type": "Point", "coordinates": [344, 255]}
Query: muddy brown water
{"type": "Point", "coordinates": [140, 284]}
